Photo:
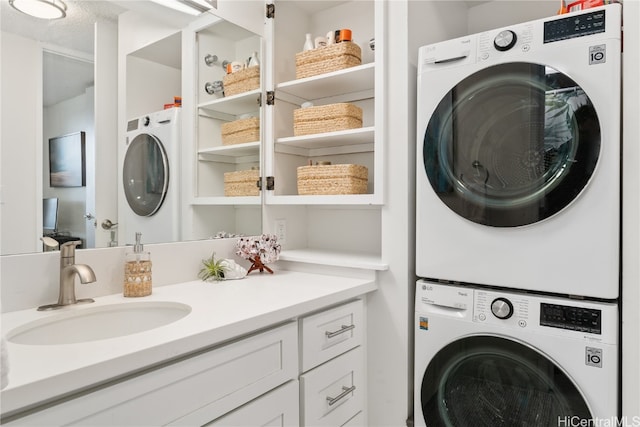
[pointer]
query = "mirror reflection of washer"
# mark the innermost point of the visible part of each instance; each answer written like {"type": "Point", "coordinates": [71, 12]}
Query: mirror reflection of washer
{"type": "Point", "coordinates": [150, 178]}
{"type": "Point", "coordinates": [518, 156]}
{"type": "Point", "coordinates": [493, 358]}
{"type": "Point", "coordinates": [145, 174]}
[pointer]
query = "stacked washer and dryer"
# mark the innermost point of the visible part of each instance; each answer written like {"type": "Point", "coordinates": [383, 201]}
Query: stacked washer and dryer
{"type": "Point", "coordinates": [518, 224]}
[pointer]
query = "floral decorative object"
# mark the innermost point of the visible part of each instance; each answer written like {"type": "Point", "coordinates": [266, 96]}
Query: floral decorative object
{"type": "Point", "coordinates": [212, 270]}
{"type": "Point", "coordinates": [260, 250]}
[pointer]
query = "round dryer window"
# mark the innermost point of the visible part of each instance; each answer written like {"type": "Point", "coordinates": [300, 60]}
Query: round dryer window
{"type": "Point", "coordinates": [512, 144]}
{"type": "Point", "coordinates": [491, 381]}
{"type": "Point", "coordinates": [145, 174]}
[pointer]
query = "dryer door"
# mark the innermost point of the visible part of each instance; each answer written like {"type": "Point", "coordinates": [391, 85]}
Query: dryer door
{"type": "Point", "coordinates": [512, 144]}
{"type": "Point", "coordinates": [145, 174]}
{"type": "Point", "coordinates": [491, 381]}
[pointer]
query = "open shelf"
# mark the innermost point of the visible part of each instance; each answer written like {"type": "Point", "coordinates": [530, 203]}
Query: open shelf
{"type": "Point", "coordinates": [335, 258]}
{"type": "Point", "coordinates": [350, 80]}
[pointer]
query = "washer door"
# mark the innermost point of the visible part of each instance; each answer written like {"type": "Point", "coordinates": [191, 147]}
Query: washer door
{"type": "Point", "coordinates": [145, 174]}
{"type": "Point", "coordinates": [512, 144]}
{"type": "Point", "coordinates": [491, 381]}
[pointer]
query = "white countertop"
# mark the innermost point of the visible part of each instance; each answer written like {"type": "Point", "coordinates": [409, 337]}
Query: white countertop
{"type": "Point", "coordinates": [221, 311]}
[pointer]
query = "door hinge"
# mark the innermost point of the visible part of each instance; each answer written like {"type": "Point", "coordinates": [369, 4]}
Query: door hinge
{"type": "Point", "coordinates": [271, 10]}
{"type": "Point", "coordinates": [271, 183]}
{"type": "Point", "coordinates": [259, 183]}
{"type": "Point", "coordinates": [271, 97]}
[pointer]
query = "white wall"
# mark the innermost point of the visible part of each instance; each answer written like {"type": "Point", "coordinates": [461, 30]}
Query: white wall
{"type": "Point", "coordinates": [20, 154]}
{"type": "Point", "coordinates": [66, 117]}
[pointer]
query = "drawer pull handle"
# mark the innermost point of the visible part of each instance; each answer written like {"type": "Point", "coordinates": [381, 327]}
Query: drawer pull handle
{"type": "Point", "coordinates": [342, 330]}
{"type": "Point", "coordinates": [345, 392]}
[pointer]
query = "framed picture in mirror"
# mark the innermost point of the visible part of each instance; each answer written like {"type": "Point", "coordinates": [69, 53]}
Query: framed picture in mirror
{"type": "Point", "coordinates": [67, 165]}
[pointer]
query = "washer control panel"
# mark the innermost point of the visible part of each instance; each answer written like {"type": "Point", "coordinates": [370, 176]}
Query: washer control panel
{"type": "Point", "coordinates": [508, 310]}
{"type": "Point", "coordinates": [573, 318]}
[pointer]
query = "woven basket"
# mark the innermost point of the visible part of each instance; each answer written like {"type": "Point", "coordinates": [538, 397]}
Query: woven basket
{"type": "Point", "coordinates": [137, 279]}
{"type": "Point", "coordinates": [242, 183]}
{"type": "Point", "coordinates": [241, 131]}
{"type": "Point", "coordinates": [241, 81]}
{"type": "Point", "coordinates": [326, 118]}
{"type": "Point", "coordinates": [327, 59]}
{"type": "Point", "coordinates": [332, 179]}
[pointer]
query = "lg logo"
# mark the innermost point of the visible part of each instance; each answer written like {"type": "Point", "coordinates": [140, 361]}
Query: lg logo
{"type": "Point", "coordinates": [597, 54]}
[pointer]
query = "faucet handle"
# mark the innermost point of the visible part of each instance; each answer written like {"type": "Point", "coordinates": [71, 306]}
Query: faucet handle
{"type": "Point", "coordinates": [68, 249]}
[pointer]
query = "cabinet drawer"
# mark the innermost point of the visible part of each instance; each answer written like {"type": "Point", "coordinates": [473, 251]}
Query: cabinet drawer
{"type": "Point", "coordinates": [333, 393]}
{"type": "Point", "coordinates": [330, 333]}
{"type": "Point", "coordinates": [276, 408]}
{"type": "Point", "coordinates": [193, 391]}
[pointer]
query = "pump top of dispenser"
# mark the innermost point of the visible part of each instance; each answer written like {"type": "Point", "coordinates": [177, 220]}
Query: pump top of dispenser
{"type": "Point", "coordinates": [138, 247]}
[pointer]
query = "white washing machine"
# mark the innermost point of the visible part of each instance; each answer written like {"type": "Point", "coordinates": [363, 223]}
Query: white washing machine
{"type": "Point", "coordinates": [151, 178]}
{"type": "Point", "coordinates": [490, 358]}
{"type": "Point", "coordinates": [518, 151]}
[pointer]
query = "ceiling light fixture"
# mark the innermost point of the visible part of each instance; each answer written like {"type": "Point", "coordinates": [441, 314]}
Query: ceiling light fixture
{"type": "Point", "coordinates": [192, 7]}
{"type": "Point", "coordinates": [43, 9]}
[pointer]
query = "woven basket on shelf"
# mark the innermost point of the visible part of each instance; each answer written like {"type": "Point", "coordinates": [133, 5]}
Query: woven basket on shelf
{"type": "Point", "coordinates": [241, 81]}
{"type": "Point", "coordinates": [241, 183]}
{"type": "Point", "coordinates": [332, 179]}
{"type": "Point", "coordinates": [326, 59]}
{"type": "Point", "coordinates": [326, 118]}
{"type": "Point", "coordinates": [241, 131]}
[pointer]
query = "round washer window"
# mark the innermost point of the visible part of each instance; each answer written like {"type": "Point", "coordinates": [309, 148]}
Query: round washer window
{"type": "Point", "coordinates": [145, 174]}
{"type": "Point", "coordinates": [512, 144]}
{"type": "Point", "coordinates": [491, 381]}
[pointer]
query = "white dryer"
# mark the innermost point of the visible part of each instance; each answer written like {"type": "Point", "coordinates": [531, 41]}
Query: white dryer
{"type": "Point", "coordinates": [490, 358]}
{"type": "Point", "coordinates": [150, 178]}
{"type": "Point", "coordinates": [518, 151]}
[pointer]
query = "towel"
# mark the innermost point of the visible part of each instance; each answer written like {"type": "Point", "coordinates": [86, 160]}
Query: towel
{"type": "Point", "coordinates": [4, 364]}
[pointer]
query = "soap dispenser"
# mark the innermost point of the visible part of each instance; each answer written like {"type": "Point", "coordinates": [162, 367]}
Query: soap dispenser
{"type": "Point", "coordinates": [137, 271]}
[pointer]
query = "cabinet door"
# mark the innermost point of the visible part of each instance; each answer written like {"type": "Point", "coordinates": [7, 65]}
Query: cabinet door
{"type": "Point", "coordinates": [333, 140]}
{"type": "Point", "coordinates": [278, 408]}
{"type": "Point", "coordinates": [333, 393]}
{"type": "Point", "coordinates": [332, 332]}
{"type": "Point", "coordinates": [189, 392]}
{"type": "Point", "coordinates": [224, 124]}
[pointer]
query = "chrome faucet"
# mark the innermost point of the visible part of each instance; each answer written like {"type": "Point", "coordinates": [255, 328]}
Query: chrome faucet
{"type": "Point", "coordinates": [68, 271]}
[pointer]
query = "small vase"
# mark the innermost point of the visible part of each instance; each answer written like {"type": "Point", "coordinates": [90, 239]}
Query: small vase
{"type": "Point", "coordinates": [308, 43]}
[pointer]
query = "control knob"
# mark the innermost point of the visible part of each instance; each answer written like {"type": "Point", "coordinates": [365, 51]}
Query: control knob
{"type": "Point", "coordinates": [146, 121]}
{"type": "Point", "coordinates": [502, 308]}
{"type": "Point", "coordinates": [505, 40]}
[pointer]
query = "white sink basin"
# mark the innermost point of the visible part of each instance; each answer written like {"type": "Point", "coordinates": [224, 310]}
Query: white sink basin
{"type": "Point", "coordinates": [98, 323]}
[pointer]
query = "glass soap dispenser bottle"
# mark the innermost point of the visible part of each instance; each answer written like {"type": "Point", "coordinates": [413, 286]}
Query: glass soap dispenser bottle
{"type": "Point", "coordinates": [137, 271]}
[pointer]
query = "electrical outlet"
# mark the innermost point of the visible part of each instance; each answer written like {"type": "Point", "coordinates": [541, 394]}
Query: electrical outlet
{"type": "Point", "coordinates": [281, 230]}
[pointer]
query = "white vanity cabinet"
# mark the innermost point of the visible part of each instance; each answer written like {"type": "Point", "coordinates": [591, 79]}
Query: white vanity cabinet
{"type": "Point", "coordinates": [193, 391]}
{"type": "Point", "coordinates": [332, 380]}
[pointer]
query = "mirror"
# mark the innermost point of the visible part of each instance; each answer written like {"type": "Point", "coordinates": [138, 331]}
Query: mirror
{"type": "Point", "coordinates": [31, 47]}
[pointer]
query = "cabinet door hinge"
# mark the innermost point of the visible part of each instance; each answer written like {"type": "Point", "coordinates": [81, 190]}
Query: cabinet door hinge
{"type": "Point", "coordinates": [271, 183]}
{"type": "Point", "coordinates": [271, 10]}
{"type": "Point", "coordinates": [271, 97]}
{"type": "Point", "coordinates": [259, 183]}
